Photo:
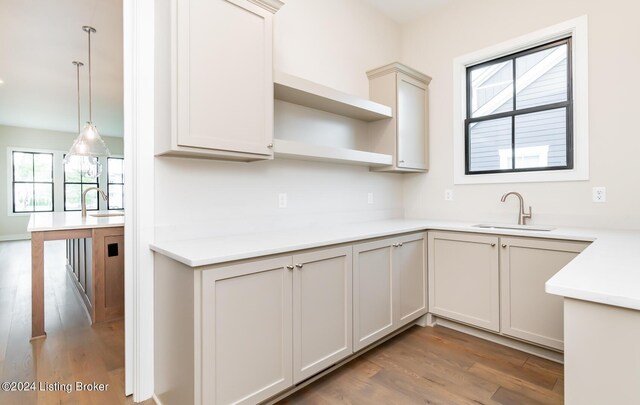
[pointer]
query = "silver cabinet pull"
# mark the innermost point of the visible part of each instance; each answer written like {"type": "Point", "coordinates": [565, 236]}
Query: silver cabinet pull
{"type": "Point", "coordinates": [290, 267]}
{"type": "Point", "coordinates": [395, 245]}
{"type": "Point", "coordinates": [504, 245]}
{"type": "Point", "coordinates": [493, 244]}
{"type": "Point", "coordinates": [400, 244]}
{"type": "Point", "coordinates": [270, 146]}
{"type": "Point", "coordinates": [402, 161]}
{"type": "Point", "coordinates": [299, 265]}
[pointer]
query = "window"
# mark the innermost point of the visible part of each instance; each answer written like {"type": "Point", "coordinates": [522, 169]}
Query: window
{"type": "Point", "coordinates": [75, 183]}
{"type": "Point", "coordinates": [519, 111]}
{"type": "Point", "coordinates": [115, 183]}
{"type": "Point", "coordinates": [32, 181]}
{"type": "Point", "coordinates": [521, 108]}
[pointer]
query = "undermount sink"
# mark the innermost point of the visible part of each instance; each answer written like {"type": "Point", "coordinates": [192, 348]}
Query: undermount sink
{"type": "Point", "coordinates": [110, 214]}
{"type": "Point", "coordinates": [515, 227]}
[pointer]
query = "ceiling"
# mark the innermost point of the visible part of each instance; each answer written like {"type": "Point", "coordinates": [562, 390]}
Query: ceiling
{"type": "Point", "coordinates": [38, 41]}
{"type": "Point", "coordinates": [403, 11]}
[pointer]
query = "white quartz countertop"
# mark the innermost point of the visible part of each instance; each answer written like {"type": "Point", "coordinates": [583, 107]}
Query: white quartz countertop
{"type": "Point", "coordinates": [57, 221]}
{"type": "Point", "coordinates": [608, 271]}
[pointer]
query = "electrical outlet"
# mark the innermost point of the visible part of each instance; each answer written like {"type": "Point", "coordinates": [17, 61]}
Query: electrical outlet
{"type": "Point", "coordinates": [282, 200]}
{"type": "Point", "coordinates": [448, 195]}
{"type": "Point", "coordinates": [599, 194]}
{"type": "Point", "coordinates": [369, 198]}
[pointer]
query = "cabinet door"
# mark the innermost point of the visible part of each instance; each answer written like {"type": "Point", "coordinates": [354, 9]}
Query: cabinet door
{"type": "Point", "coordinates": [224, 75]}
{"type": "Point", "coordinates": [372, 292]}
{"type": "Point", "coordinates": [410, 271]}
{"type": "Point", "coordinates": [412, 124]}
{"type": "Point", "coordinates": [322, 310]}
{"type": "Point", "coordinates": [528, 312]}
{"type": "Point", "coordinates": [464, 278]}
{"type": "Point", "coordinates": [246, 331]}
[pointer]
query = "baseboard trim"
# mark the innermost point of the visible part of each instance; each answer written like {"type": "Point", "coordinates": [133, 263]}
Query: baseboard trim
{"type": "Point", "coordinates": [502, 340]}
{"type": "Point", "coordinates": [15, 236]}
{"type": "Point", "coordinates": [155, 399]}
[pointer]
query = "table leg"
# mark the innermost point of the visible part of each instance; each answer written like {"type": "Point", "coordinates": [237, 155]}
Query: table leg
{"type": "Point", "coordinates": [37, 285]}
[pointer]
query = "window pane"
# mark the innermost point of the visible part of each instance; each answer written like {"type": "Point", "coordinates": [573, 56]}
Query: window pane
{"type": "Point", "coordinates": [23, 197]}
{"type": "Point", "coordinates": [541, 77]}
{"type": "Point", "coordinates": [43, 165]}
{"type": "Point", "coordinates": [116, 197]}
{"type": "Point", "coordinates": [541, 139]}
{"type": "Point", "coordinates": [92, 197]}
{"type": "Point", "coordinates": [43, 197]}
{"type": "Point", "coordinates": [491, 89]}
{"type": "Point", "coordinates": [115, 170]}
{"type": "Point", "coordinates": [490, 145]}
{"type": "Point", "coordinates": [72, 197]}
{"type": "Point", "coordinates": [72, 170]}
{"type": "Point", "coordinates": [23, 166]}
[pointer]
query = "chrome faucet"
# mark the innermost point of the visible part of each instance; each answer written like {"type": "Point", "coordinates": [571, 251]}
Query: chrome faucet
{"type": "Point", "coordinates": [522, 216]}
{"type": "Point", "coordinates": [84, 199]}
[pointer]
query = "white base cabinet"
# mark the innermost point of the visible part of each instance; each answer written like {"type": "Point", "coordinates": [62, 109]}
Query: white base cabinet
{"type": "Point", "coordinates": [473, 281]}
{"type": "Point", "coordinates": [322, 310]}
{"type": "Point", "coordinates": [464, 278]}
{"type": "Point", "coordinates": [389, 286]}
{"type": "Point", "coordinates": [527, 311]}
{"type": "Point", "coordinates": [246, 331]}
{"type": "Point", "coordinates": [241, 333]}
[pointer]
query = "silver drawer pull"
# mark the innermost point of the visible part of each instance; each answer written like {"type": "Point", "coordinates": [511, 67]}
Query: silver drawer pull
{"type": "Point", "coordinates": [504, 245]}
{"type": "Point", "coordinates": [493, 244]}
{"type": "Point", "coordinates": [299, 265]}
{"type": "Point", "coordinates": [290, 267]}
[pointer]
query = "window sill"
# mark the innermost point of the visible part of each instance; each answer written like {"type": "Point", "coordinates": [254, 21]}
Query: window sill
{"type": "Point", "coordinates": [523, 177]}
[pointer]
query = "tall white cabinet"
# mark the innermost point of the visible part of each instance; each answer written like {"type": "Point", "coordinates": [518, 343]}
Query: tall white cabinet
{"type": "Point", "coordinates": [215, 78]}
{"type": "Point", "coordinates": [405, 135]}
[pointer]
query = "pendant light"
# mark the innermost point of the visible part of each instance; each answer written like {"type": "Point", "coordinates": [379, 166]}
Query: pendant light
{"type": "Point", "coordinates": [88, 145]}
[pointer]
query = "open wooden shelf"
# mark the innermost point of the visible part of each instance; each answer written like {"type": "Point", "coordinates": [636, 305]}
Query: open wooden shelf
{"type": "Point", "coordinates": [299, 91]}
{"type": "Point", "coordinates": [305, 151]}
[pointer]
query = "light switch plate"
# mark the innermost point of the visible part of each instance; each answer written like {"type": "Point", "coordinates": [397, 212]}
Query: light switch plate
{"type": "Point", "coordinates": [369, 198]}
{"type": "Point", "coordinates": [282, 200]}
{"type": "Point", "coordinates": [599, 194]}
{"type": "Point", "coordinates": [448, 195]}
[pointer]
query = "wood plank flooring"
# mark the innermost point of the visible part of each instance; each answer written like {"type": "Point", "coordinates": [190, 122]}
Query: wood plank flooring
{"type": "Point", "coordinates": [73, 350]}
{"type": "Point", "coordinates": [439, 366]}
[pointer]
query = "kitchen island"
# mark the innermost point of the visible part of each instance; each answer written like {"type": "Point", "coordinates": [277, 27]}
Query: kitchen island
{"type": "Point", "coordinates": [99, 226]}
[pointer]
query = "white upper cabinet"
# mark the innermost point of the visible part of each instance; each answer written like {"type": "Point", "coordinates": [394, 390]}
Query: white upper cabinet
{"type": "Point", "coordinates": [405, 135]}
{"type": "Point", "coordinates": [220, 78]}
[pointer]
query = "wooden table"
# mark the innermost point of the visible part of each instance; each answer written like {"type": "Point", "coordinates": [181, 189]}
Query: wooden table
{"type": "Point", "coordinates": [48, 226]}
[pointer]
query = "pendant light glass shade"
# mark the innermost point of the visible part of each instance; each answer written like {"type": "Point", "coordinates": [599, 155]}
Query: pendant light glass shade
{"type": "Point", "coordinates": [88, 145]}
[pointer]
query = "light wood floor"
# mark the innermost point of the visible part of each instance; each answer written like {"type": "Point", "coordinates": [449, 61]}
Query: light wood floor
{"type": "Point", "coordinates": [439, 366]}
{"type": "Point", "coordinates": [73, 350]}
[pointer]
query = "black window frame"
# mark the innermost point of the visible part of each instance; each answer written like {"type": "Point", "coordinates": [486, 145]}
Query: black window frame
{"type": "Point", "coordinates": [568, 104]}
{"type": "Point", "coordinates": [109, 183]}
{"type": "Point", "coordinates": [14, 182]}
{"type": "Point", "coordinates": [81, 183]}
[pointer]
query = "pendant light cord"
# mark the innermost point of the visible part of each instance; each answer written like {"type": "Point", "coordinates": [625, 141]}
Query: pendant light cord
{"type": "Point", "coordinates": [90, 117]}
{"type": "Point", "coordinates": [78, 65]}
{"type": "Point", "coordinates": [89, 30]}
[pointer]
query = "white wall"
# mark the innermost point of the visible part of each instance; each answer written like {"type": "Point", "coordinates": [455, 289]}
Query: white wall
{"type": "Point", "coordinates": [431, 43]}
{"type": "Point", "coordinates": [332, 42]}
{"type": "Point", "coordinates": [15, 226]}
